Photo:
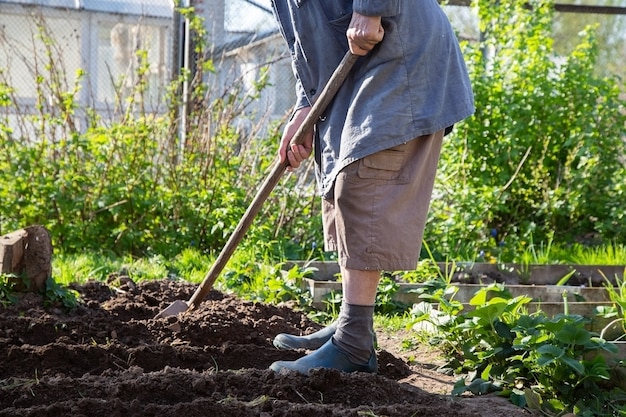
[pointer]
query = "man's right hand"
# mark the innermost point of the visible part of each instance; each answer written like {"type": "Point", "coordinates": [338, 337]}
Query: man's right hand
{"type": "Point", "coordinates": [295, 154]}
{"type": "Point", "coordinates": [364, 33]}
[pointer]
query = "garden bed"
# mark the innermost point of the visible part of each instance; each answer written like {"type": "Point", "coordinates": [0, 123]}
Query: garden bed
{"type": "Point", "coordinates": [583, 293]}
{"type": "Point", "coordinates": [111, 357]}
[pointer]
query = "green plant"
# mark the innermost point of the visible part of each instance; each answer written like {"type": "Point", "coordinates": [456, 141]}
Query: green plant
{"type": "Point", "coordinates": [541, 254]}
{"type": "Point", "coordinates": [55, 295]}
{"type": "Point", "coordinates": [426, 270]}
{"type": "Point", "coordinates": [390, 323]}
{"type": "Point", "coordinates": [288, 286]}
{"type": "Point", "coordinates": [606, 254]}
{"type": "Point", "coordinates": [128, 185]}
{"type": "Point", "coordinates": [68, 268]}
{"type": "Point", "coordinates": [266, 282]}
{"type": "Point", "coordinates": [547, 363]}
{"type": "Point", "coordinates": [333, 301]}
{"type": "Point", "coordinates": [58, 295]}
{"type": "Point", "coordinates": [543, 153]}
{"type": "Point", "coordinates": [191, 265]}
{"type": "Point", "coordinates": [7, 288]}
{"type": "Point", "coordinates": [616, 290]}
{"type": "Point", "coordinates": [385, 302]}
{"type": "Point", "coordinates": [79, 268]}
{"type": "Point", "coordinates": [439, 309]}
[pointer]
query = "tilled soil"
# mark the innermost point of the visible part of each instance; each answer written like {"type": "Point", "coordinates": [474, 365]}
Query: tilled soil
{"type": "Point", "coordinates": [111, 357]}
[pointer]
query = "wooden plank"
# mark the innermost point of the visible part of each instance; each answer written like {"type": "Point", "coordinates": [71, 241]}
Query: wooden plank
{"type": "Point", "coordinates": [27, 253]}
{"type": "Point", "coordinates": [12, 248]}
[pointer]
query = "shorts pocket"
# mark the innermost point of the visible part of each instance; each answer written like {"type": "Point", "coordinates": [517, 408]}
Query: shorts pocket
{"type": "Point", "coordinates": [384, 165]}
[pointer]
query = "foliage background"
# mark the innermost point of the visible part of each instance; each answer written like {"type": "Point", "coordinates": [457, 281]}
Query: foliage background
{"type": "Point", "coordinates": [542, 158]}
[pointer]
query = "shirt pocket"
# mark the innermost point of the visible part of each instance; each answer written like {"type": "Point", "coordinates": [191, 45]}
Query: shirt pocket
{"type": "Point", "coordinates": [339, 22]}
{"type": "Point", "coordinates": [337, 11]}
{"type": "Point", "coordinates": [384, 165]}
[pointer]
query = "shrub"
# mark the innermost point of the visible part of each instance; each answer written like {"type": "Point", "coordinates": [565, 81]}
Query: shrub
{"type": "Point", "coordinates": [125, 185]}
{"type": "Point", "coordinates": [544, 151]}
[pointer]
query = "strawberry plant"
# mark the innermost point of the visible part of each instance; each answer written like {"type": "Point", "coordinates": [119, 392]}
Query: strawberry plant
{"type": "Point", "coordinates": [547, 363]}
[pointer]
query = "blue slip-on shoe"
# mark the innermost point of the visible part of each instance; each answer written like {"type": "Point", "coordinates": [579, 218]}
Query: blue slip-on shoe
{"type": "Point", "coordinates": [328, 356]}
{"type": "Point", "coordinates": [311, 342]}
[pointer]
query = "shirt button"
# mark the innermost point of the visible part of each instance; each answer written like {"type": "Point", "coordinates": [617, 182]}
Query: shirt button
{"type": "Point", "coordinates": [313, 91]}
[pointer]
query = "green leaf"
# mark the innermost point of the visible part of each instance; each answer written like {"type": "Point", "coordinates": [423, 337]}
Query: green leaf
{"type": "Point", "coordinates": [518, 399]}
{"type": "Point", "coordinates": [575, 335]}
{"type": "Point", "coordinates": [479, 298]}
{"type": "Point", "coordinates": [556, 404]}
{"type": "Point", "coordinates": [459, 387]}
{"type": "Point", "coordinates": [599, 343]}
{"type": "Point", "coordinates": [566, 278]}
{"type": "Point", "coordinates": [503, 330]}
{"type": "Point", "coordinates": [532, 399]}
{"type": "Point", "coordinates": [480, 386]}
{"type": "Point", "coordinates": [597, 368]}
{"type": "Point", "coordinates": [576, 365]}
{"type": "Point", "coordinates": [485, 373]}
{"type": "Point", "coordinates": [548, 354]}
{"type": "Point", "coordinates": [489, 312]}
{"type": "Point", "coordinates": [607, 311]}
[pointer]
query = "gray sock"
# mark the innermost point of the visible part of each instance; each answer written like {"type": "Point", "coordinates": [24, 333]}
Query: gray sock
{"type": "Point", "coordinates": [355, 332]}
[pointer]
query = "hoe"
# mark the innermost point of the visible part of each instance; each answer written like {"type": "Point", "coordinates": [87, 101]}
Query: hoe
{"type": "Point", "coordinates": [320, 105]}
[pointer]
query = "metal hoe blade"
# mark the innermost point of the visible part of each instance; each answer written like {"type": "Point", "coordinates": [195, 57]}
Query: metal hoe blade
{"type": "Point", "coordinates": [174, 309]}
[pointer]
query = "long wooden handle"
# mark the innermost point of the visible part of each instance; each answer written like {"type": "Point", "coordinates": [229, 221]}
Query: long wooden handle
{"type": "Point", "coordinates": [324, 99]}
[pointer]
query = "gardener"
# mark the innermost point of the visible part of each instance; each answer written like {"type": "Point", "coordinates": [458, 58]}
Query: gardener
{"type": "Point", "coordinates": [376, 147]}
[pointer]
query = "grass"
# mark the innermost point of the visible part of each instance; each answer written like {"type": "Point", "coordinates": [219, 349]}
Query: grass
{"type": "Point", "coordinates": [254, 276]}
{"type": "Point", "coordinates": [390, 323]}
{"type": "Point", "coordinates": [67, 269]}
{"type": "Point", "coordinates": [612, 254]}
{"type": "Point", "coordinates": [544, 253]}
{"type": "Point", "coordinates": [576, 254]}
{"type": "Point", "coordinates": [190, 265]}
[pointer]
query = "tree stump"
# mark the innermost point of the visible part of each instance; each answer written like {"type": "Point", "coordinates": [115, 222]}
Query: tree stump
{"type": "Point", "coordinates": [27, 253]}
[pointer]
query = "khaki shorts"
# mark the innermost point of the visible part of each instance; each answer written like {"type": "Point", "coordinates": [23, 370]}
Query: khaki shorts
{"type": "Point", "coordinates": [376, 215]}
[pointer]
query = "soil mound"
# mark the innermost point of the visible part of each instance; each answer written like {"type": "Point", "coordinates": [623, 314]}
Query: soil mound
{"type": "Point", "coordinates": [111, 357]}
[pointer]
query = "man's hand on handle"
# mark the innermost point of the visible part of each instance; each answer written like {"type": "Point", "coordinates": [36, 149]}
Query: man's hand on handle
{"type": "Point", "coordinates": [295, 154]}
{"type": "Point", "coordinates": [364, 33]}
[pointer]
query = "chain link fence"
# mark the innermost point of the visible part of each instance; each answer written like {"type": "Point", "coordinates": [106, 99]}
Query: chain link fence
{"type": "Point", "coordinates": [87, 47]}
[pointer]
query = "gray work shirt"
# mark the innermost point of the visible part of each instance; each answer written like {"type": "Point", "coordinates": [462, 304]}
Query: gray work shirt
{"type": "Point", "coordinates": [413, 83]}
